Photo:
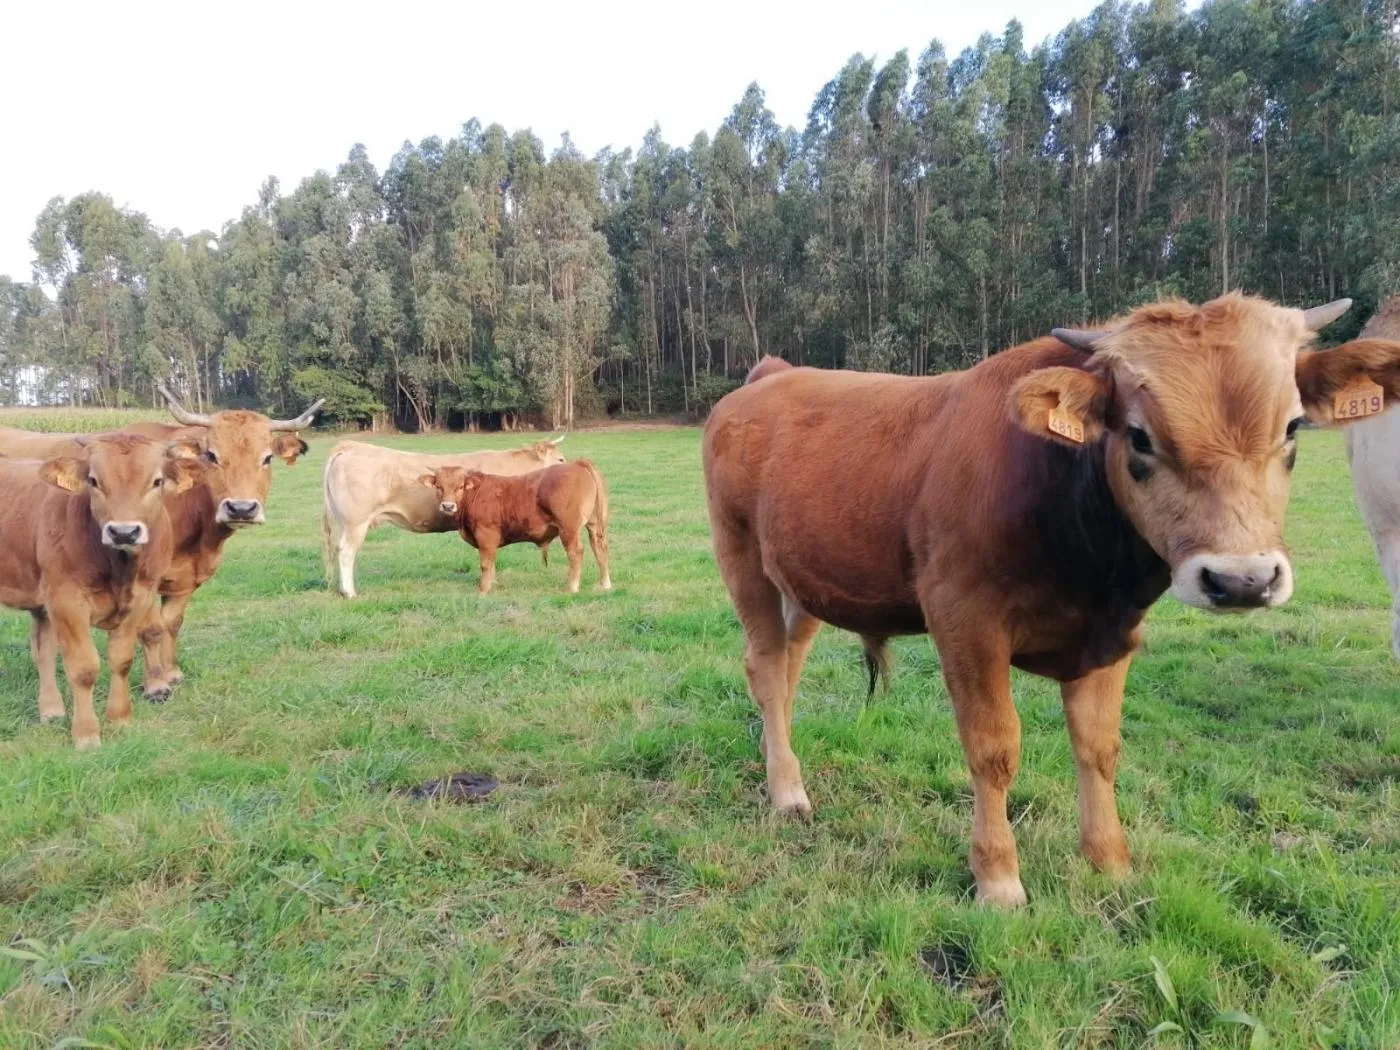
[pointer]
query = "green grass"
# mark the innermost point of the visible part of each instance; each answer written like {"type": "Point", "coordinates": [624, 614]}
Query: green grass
{"type": "Point", "coordinates": [77, 420]}
{"type": "Point", "coordinates": [234, 870]}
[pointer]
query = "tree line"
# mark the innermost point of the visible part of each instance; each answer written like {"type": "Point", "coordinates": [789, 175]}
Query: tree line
{"type": "Point", "coordinates": [929, 213]}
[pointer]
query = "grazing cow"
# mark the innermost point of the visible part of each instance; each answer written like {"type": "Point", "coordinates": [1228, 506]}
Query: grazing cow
{"type": "Point", "coordinates": [1373, 450]}
{"type": "Point", "coordinates": [87, 541]}
{"type": "Point", "coordinates": [1025, 513]}
{"type": "Point", "coordinates": [492, 511]}
{"type": "Point", "coordinates": [366, 486]}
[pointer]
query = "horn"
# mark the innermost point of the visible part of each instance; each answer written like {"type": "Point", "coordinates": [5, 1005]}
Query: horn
{"type": "Point", "coordinates": [303, 420]}
{"type": "Point", "coordinates": [181, 414]}
{"type": "Point", "coordinates": [555, 441]}
{"type": "Point", "coordinates": [1319, 317]}
{"type": "Point", "coordinates": [1079, 338]}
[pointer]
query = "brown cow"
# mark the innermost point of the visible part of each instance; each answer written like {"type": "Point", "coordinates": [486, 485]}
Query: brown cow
{"type": "Point", "coordinates": [86, 543]}
{"type": "Point", "coordinates": [494, 511]}
{"type": "Point", "coordinates": [235, 450]}
{"type": "Point", "coordinates": [1025, 513]}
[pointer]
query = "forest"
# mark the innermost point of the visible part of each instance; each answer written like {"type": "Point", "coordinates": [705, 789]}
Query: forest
{"type": "Point", "coordinates": [932, 211]}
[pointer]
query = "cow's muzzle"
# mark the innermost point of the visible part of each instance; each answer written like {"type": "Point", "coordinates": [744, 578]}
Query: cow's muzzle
{"type": "Point", "coordinates": [124, 535]}
{"type": "Point", "coordinates": [240, 512]}
{"type": "Point", "coordinates": [1234, 582]}
{"type": "Point", "coordinates": [447, 507]}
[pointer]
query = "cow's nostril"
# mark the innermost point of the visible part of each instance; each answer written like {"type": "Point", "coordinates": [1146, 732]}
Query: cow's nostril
{"type": "Point", "coordinates": [1212, 586]}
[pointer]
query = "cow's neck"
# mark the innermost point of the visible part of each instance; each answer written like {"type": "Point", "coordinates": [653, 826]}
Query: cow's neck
{"type": "Point", "coordinates": [1090, 543]}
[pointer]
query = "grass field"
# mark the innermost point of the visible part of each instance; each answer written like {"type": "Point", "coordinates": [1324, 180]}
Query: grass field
{"type": "Point", "coordinates": [236, 870]}
{"type": "Point", "coordinates": [76, 420]}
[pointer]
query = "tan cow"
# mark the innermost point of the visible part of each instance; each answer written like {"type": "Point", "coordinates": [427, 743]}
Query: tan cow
{"type": "Point", "coordinates": [86, 542]}
{"type": "Point", "coordinates": [1026, 513]}
{"type": "Point", "coordinates": [492, 511]}
{"type": "Point", "coordinates": [367, 486]}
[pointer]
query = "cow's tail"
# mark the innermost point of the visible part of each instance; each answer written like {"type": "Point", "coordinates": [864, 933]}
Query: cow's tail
{"type": "Point", "coordinates": [879, 662]}
{"type": "Point", "coordinates": [766, 366]}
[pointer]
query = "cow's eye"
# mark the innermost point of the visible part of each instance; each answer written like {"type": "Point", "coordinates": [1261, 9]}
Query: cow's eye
{"type": "Point", "coordinates": [211, 457]}
{"type": "Point", "coordinates": [1291, 432]}
{"type": "Point", "coordinates": [157, 483]}
{"type": "Point", "coordinates": [267, 459]}
{"type": "Point", "coordinates": [1142, 444]}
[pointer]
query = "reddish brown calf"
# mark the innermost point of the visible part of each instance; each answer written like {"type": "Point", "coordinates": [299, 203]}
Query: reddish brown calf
{"type": "Point", "coordinates": [1025, 513]}
{"type": "Point", "coordinates": [493, 511]}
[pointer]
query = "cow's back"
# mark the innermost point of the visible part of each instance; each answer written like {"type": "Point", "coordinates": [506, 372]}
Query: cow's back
{"type": "Point", "coordinates": [371, 484]}
{"type": "Point", "coordinates": [820, 468]}
{"type": "Point", "coordinates": [27, 444]}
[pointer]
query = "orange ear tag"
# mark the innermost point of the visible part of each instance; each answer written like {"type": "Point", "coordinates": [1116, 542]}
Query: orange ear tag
{"type": "Point", "coordinates": [1358, 399]}
{"type": "Point", "coordinates": [1067, 425]}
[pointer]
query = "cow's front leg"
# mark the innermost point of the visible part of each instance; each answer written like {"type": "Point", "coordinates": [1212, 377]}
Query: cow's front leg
{"type": "Point", "coordinates": [121, 652]}
{"type": "Point", "coordinates": [155, 683]}
{"type": "Point", "coordinates": [977, 669]}
{"type": "Point", "coordinates": [487, 542]}
{"type": "Point", "coordinates": [1093, 712]}
{"type": "Point", "coordinates": [173, 613]}
{"type": "Point", "coordinates": [71, 624]}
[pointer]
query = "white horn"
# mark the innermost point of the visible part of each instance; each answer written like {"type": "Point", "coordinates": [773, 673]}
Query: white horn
{"type": "Point", "coordinates": [1079, 338]}
{"type": "Point", "coordinates": [1319, 317]}
{"type": "Point", "coordinates": [303, 420]}
{"type": "Point", "coordinates": [555, 441]}
{"type": "Point", "coordinates": [181, 414]}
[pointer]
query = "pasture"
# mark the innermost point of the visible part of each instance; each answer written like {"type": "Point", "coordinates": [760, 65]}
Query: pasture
{"type": "Point", "coordinates": [235, 869]}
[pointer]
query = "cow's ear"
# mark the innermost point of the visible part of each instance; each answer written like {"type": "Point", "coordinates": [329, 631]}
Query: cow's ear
{"type": "Point", "coordinates": [181, 473]}
{"type": "Point", "coordinates": [1327, 378]}
{"type": "Point", "coordinates": [183, 448]}
{"type": "Point", "coordinates": [428, 480]}
{"type": "Point", "coordinates": [468, 484]}
{"type": "Point", "coordinates": [1068, 405]}
{"type": "Point", "coordinates": [65, 472]}
{"type": "Point", "coordinates": [288, 447]}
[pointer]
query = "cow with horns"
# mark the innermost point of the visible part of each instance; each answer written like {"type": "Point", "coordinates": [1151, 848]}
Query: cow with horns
{"type": "Point", "coordinates": [1025, 513]}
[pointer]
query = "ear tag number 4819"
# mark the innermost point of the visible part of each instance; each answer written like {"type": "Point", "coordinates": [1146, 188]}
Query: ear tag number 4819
{"type": "Point", "coordinates": [1067, 425]}
{"type": "Point", "coordinates": [1358, 399]}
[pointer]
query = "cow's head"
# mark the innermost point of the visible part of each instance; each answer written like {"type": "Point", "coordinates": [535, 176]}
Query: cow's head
{"type": "Point", "coordinates": [454, 486]}
{"type": "Point", "coordinates": [547, 452]}
{"type": "Point", "coordinates": [236, 449]}
{"type": "Point", "coordinates": [125, 477]}
{"type": "Point", "coordinates": [1197, 409]}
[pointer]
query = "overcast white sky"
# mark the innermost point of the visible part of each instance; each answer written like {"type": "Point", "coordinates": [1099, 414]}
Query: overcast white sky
{"type": "Point", "coordinates": [182, 109]}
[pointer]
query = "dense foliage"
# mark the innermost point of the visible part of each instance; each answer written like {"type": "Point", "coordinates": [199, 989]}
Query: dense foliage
{"type": "Point", "coordinates": [929, 214]}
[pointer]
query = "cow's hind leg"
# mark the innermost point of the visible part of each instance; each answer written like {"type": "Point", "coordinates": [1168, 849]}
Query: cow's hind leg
{"type": "Point", "coordinates": [156, 683]}
{"type": "Point", "coordinates": [977, 670]}
{"type": "Point", "coordinates": [352, 538]}
{"type": "Point", "coordinates": [573, 548]}
{"type": "Point", "coordinates": [1093, 709]}
{"type": "Point", "coordinates": [43, 646]}
{"type": "Point", "coordinates": [766, 664]}
{"type": "Point", "coordinates": [598, 540]}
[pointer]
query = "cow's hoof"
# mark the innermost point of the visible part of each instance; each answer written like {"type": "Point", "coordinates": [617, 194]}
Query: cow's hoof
{"type": "Point", "coordinates": [1002, 893]}
{"type": "Point", "coordinates": [159, 695]}
{"type": "Point", "coordinates": [793, 804]}
{"type": "Point", "coordinates": [87, 743]}
{"type": "Point", "coordinates": [48, 720]}
{"type": "Point", "coordinates": [606, 585]}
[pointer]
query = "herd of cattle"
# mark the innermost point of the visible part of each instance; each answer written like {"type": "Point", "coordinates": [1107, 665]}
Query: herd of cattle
{"type": "Point", "coordinates": [1025, 513]}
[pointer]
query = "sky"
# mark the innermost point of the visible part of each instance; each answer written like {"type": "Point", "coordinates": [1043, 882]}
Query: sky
{"type": "Point", "coordinates": [182, 109]}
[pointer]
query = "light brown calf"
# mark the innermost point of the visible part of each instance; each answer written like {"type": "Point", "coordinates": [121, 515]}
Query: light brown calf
{"type": "Point", "coordinates": [1025, 513]}
{"type": "Point", "coordinates": [86, 542]}
{"type": "Point", "coordinates": [493, 511]}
